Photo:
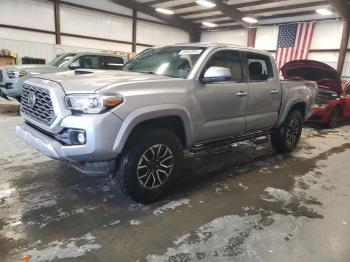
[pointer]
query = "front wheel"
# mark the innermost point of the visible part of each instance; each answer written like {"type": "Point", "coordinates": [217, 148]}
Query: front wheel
{"type": "Point", "coordinates": [286, 137]}
{"type": "Point", "coordinates": [149, 165]}
{"type": "Point", "coordinates": [334, 117]}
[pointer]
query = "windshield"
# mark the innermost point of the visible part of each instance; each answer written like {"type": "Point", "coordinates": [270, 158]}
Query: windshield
{"type": "Point", "coordinates": [174, 61]}
{"type": "Point", "coordinates": [62, 60]}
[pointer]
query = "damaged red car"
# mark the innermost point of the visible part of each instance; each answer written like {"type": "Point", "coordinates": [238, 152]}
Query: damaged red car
{"type": "Point", "coordinates": [333, 99]}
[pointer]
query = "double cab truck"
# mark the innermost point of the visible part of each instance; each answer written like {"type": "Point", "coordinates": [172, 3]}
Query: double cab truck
{"type": "Point", "coordinates": [12, 77]}
{"type": "Point", "coordinates": [333, 97]}
{"type": "Point", "coordinates": [137, 122]}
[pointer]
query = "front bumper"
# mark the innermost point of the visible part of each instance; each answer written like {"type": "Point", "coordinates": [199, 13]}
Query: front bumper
{"type": "Point", "coordinates": [319, 115]}
{"type": "Point", "coordinates": [12, 87]}
{"type": "Point", "coordinates": [101, 132]}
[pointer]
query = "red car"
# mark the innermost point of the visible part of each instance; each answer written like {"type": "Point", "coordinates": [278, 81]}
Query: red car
{"type": "Point", "coordinates": [333, 99]}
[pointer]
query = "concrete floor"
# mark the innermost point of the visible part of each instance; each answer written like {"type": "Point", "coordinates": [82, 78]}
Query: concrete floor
{"type": "Point", "coordinates": [247, 204]}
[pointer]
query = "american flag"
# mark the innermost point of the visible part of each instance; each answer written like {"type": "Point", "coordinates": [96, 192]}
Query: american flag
{"type": "Point", "coordinates": [294, 42]}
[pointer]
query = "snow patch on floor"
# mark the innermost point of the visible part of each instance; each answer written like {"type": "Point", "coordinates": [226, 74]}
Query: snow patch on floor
{"type": "Point", "coordinates": [68, 248]}
{"type": "Point", "coordinates": [275, 195]}
{"type": "Point", "coordinates": [171, 206]}
{"type": "Point", "coordinates": [134, 222]}
{"type": "Point", "coordinates": [233, 237]}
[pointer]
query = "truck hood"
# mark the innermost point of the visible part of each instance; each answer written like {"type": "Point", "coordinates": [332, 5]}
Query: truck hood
{"type": "Point", "coordinates": [324, 75]}
{"type": "Point", "coordinates": [34, 69]}
{"type": "Point", "coordinates": [90, 81]}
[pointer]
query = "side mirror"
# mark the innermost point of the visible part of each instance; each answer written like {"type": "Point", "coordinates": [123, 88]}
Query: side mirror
{"type": "Point", "coordinates": [74, 65]}
{"type": "Point", "coordinates": [216, 74]}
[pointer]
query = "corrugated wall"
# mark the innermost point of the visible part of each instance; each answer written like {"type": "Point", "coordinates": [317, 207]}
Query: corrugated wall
{"type": "Point", "coordinates": [39, 14]}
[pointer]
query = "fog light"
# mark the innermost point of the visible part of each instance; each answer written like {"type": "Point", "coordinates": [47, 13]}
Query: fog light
{"type": "Point", "coordinates": [81, 138]}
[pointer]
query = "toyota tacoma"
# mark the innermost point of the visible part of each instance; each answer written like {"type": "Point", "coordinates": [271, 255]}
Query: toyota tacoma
{"type": "Point", "coordinates": [136, 123]}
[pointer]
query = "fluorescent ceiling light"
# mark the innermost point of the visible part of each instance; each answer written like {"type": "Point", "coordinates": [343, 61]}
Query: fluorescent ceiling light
{"type": "Point", "coordinates": [205, 3]}
{"type": "Point", "coordinates": [249, 20]}
{"type": "Point", "coordinates": [208, 24]}
{"type": "Point", "coordinates": [165, 11]}
{"type": "Point", "coordinates": [323, 11]}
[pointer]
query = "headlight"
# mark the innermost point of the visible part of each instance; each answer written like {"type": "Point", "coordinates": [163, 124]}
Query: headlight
{"type": "Point", "coordinates": [92, 104]}
{"type": "Point", "coordinates": [16, 74]}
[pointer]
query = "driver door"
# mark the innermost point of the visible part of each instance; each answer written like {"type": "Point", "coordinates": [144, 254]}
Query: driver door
{"type": "Point", "coordinates": [223, 104]}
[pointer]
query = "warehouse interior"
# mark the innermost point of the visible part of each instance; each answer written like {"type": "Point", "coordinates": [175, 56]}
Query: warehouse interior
{"type": "Point", "coordinates": [235, 201]}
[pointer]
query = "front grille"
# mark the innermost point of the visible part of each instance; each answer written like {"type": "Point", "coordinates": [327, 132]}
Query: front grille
{"type": "Point", "coordinates": [42, 111]}
{"type": "Point", "coordinates": [1, 76]}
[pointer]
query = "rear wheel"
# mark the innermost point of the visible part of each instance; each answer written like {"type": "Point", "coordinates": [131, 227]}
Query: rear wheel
{"type": "Point", "coordinates": [149, 165]}
{"type": "Point", "coordinates": [333, 121]}
{"type": "Point", "coordinates": [286, 137]}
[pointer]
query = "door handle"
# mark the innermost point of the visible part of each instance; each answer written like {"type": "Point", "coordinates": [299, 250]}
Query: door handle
{"type": "Point", "coordinates": [241, 94]}
{"type": "Point", "coordinates": [273, 92]}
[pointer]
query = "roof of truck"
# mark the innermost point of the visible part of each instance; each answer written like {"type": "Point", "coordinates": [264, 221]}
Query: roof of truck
{"type": "Point", "coordinates": [93, 53]}
{"type": "Point", "coordinates": [211, 44]}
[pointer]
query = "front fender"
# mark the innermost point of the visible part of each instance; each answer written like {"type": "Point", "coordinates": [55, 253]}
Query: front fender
{"type": "Point", "coordinates": [152, 112]}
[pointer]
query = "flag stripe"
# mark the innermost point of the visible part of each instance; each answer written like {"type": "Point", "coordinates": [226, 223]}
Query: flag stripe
{"type": "Point", "coordinates": [301, 28]}
{"type": "Point", "coordinates": [304, 42]}
{"type": "Point", "coordinates": [294, 42]}
{"type": "Point", "coordinates": [311, 36]}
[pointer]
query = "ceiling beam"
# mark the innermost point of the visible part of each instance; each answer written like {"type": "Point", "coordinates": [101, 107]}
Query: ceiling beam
{"type": "Point", "coordinates": [343, 46]}
{"type": "Point", "coordinates": [172, 20]}
{"type": "Point", "coordinates": [57, 21]}
{"type": "Point", "coordinates": [288, 7]}
{"type": "Point", "coordinates": [256, 3]}
{"type": "Point", "coordinates": [231, 12]}
{"type": "Point", "coordinates": [342, 7]}
{"type": "Point", "coordinates": [156, 2]}
{"type": "Point", "coordinates": [262, 18]}
{"type": "Point", "coordinates": [260, 11]}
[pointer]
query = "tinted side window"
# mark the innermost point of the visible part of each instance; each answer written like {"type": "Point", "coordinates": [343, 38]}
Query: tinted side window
{"type": "Point", "coordinates": [87, 61]}
{"type": "Point", "coordinates": [228, 59]}
{"type": "Point", "coordinates": [259, 67]}
{"type": "Point", "coordinates": [111, 62]}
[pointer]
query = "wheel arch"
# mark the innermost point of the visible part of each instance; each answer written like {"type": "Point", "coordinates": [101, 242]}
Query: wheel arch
{"type": "Point", "coordinates": [173, 117]}
{"type": "Point", "coordinates": [290, 107]}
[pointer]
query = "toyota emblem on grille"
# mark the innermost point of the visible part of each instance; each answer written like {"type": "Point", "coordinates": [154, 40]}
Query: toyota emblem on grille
{"type": "Point", "coordinates": [31, 99]}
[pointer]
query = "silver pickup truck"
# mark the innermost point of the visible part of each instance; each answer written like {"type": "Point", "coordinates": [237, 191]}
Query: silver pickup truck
{"type": "Point", "coordinates": [137, 122]}
{"type": "Point", "coordinates": [12, 77]}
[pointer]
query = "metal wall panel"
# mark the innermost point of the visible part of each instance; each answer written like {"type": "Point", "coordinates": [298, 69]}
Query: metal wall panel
{"type": "Point", "coordinates": [37, 14]}
{"type": "Point", "coordinates": [154, 34]}
{"type": "Point", "coordinates": [96, 44]}
{"type": "Point", "coordinates": [236, 37]}
{"type": "Point", "coordinates": [327, 35]}
{"type": "Point", "coordinates": [30, 49]}
{"type": "Point", "coordinates": [266, 37]}
{"type": "Point", "coordinates": [23, 35]}
{"type": "Point", "coordinates": [104, 5]}
{"type": "Point", "coordinates": [140, 48]}
{"type": "Point", "coordinates": [89, 23]}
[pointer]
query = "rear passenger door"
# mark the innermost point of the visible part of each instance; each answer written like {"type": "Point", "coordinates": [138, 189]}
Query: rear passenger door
{"type": "Point", "coordinates": [264, 92]}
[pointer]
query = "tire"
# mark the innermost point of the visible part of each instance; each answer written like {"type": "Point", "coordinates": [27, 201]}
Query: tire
{"type": "Point", "coordinates": [147, 181]}
{"type": "Point", "coordinates": [334, 117]}
{"type": "Point", "coordinates": [286, 138]}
